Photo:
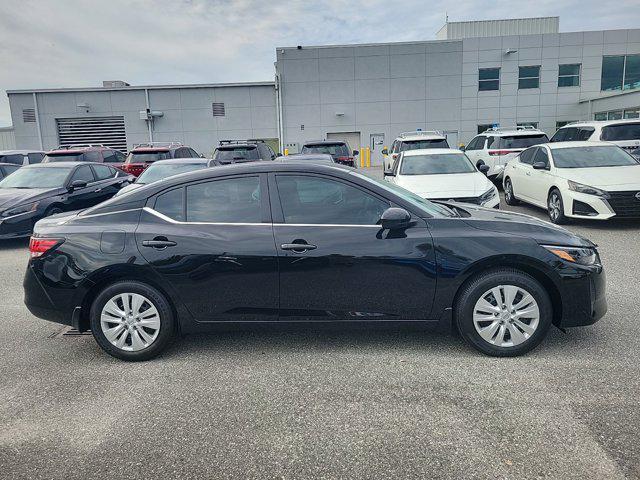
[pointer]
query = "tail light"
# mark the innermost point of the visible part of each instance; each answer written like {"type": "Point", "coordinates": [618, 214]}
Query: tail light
{"type": "Point", "coordinates": [501, 152]}
{"type": "Point", "coordinates": [134, 168]}
{"type": "Point", "coordinates": [39, 246]}
{"type": "Point", "coordinates": [344, 159]}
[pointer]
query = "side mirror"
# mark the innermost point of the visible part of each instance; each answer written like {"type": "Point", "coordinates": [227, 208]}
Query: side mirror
{"type": "Point", "coordinates": [484, 168]}
{"type": "Point", "coordinates": [77, 185]}
{"type": "Point", "coordinates": [539, 166]}
{"type": "Point", "coordinates": [479, 163]}
{"type": "Point", "coordinates": [356, 152]}
{"type": "Point", "coordinates": [395, 218]}
{"type": "Point", "coordinates": [385, 151]}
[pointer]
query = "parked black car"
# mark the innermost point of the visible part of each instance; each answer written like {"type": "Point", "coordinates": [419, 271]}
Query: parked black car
{"type": "Point", "coordinates": [7, 169]}
{"type": "Point", "coordinates": [37, 191]}
{"type": "Point", "coordinates": [340, 151]}
{"type": "Point", "coordinates": [242, 151]}
{"type": "Point", "coordinates": [274, 241]}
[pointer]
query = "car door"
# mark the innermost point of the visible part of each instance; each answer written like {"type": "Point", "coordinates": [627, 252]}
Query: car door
{"type": "Point", "coordinates": [86, 196]}
{"type": "Point", "coordinates": [472, 149]}
{"type": "Point", "coordinates": [540, 181]}
{"type": "Point", "coordinates": [107, 185]}
{"type": "Point", "coordinates": [335, 263]}
{"type": "Point", "coordinates": [523, 186]}
{"type": "Point", "coordinates": [212, 240]}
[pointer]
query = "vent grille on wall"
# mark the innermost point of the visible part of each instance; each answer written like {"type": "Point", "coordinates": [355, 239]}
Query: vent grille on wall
{"type": "Point", "coordinates": [29, 115]}
{"type": "Point", "coordinates": [218, 109]}
{"type": "Point", "coordinates": [108, 131]}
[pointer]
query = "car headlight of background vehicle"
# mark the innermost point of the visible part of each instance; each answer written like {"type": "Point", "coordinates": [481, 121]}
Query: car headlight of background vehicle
{"type": "Point", "coordinates": [579, 255]}
{"type": "Point", "coordinates": [580, 188]}
{"type": "Point", "coordinates": [29, 207]}
{"type": "Point", "coordinates": [488, 195]}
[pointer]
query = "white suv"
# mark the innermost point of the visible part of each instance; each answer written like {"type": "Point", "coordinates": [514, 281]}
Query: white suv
{"type": "Point", "coordinates": [496, 146]}
{"type": "Point", "coordinates": [418, 140]}
{"type": "Point", "coordinates": [624, 133]}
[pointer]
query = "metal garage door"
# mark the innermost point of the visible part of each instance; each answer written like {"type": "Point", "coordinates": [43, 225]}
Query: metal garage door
{"type": "Point", "coordinates": [108, 131]}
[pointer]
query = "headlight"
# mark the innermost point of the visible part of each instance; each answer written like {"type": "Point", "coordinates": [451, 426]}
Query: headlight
{"type": "Point", "coordinates": [579, 255]}
{"type": "Point", "coordinates": [580, 188]}
{"type": "Point", "coordinates": [488, 195]}
{"type": "Point", "coordinates": [29, 207]}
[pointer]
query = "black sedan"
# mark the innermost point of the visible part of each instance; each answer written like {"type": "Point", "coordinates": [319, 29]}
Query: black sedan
{"type": "Point", "coordinates": [37, 191]}
{"type": "Point", "coordinates": [275, 241]}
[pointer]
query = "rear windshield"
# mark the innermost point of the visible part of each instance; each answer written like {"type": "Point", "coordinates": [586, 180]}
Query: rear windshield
{"type": "Point", "coordinates": [626, 131]}
{"type": "Point", "coordinates": [521, 141]}
{"type": "Point", "coordinates": [64, 157]}
{"type": "Point", "coordinates": [15, 159]}
{"type": "Point", "coordinates": [438, 164]}
{"type": "Point", "coordinates": [161, 171]}
{"type": "Point", "coordinates": [590, 157]}
{"type": "Point", "coordinates": [237, 153]}
{"type": "Point", "coordinates": [333, 149]}
{"type": "Point", "coordinates": [147, 157]}
{"type": "Point", "coordinates": [422, 144]}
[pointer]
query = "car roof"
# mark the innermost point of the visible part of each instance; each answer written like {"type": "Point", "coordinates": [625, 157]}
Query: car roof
{"type": "Point", "coordinates": [77, 149]}
{"type": "Point", "coordinates": [600, 123]}
{"type": "Point", "coordinates": [62, 164]}
{"type": "Point", "coordinates": [513, 132]}
{"type": "Point", "coordinates": [557, 145]}
{"type": "Point", "coordinates": [324, 142]}
{"type": "Point", "coordinates": [177, 161]}
{"type": "Point", "coordinates": [19, 152]}
{"type": "Point", "coordinates": [421, 136]}
{"type": "Point", "coordinates": [429, 151]}
{"type": "Point", "coordinates": [307, 156]}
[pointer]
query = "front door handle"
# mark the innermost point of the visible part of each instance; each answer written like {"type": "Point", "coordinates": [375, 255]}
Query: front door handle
{"type": "Point", "coordinates": [160, 243]}
{"type": "Point", "coordinates": [98, 190]}
{"type": "Point", "coordinates": [298, 247]}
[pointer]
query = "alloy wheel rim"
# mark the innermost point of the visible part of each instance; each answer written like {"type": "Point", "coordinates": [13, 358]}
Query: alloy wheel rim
{"type": "Point", "coordinates": [506, 316]}
{"type": "Point", "coordinates": [507, 189]}
{"type": "Point", "coordinates": [130, 322]}
{"type": "Point", "coordinates": [554, 206]}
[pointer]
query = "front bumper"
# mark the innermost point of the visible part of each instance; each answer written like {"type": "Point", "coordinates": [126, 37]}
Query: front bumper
{"type": "Point", "coordinates": [18, 226]}
{"type": "Point", "coordinates": [583, 294]}
{"type": "Point", "coordinates": [599, 205]}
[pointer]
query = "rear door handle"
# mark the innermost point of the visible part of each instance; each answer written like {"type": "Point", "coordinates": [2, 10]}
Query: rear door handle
{"type": "Point", "coordinates": [98, 190]}
{"type": "Point", "coordinates": [161, 244]}
{"type": "Point", "coordinates": [298, 247]}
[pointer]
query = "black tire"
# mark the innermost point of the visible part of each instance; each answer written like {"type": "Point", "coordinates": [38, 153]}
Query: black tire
{"type": "Point", "coordinates": [474, 289]}
{"type": "Point", "coordinates": [509, 196]}
{"type": "Point", "coordinates": [167, 330]}
{"type": "Point", "coordinates": [556, 216]}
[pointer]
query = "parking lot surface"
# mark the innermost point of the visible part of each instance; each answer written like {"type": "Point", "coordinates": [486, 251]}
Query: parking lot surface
{"type": "Point", "coordinates": [305, 401]}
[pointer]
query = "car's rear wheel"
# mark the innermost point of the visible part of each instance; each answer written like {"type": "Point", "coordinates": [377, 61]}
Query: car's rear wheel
{"type": "Point", "coordinates": [132, 321]}
{"type": "Point", "coordinates": [503, 312]}
{"type": "Point", "coordinates": [555, 207]}
{"type": "Point", "coordinates": [509, 197]}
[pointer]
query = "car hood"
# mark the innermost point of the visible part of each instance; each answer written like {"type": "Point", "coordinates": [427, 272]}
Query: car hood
{"type": "Point", "coordinates": [545, 233]}
{"type": "Point", "coordinates": [455, 185]}
{"type": "Point", "coordinates": [12, 197]}
{"type": "Point", "coordinates": [606, 178]}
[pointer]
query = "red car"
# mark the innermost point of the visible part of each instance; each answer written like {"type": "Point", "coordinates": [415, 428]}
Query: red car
{"type": "Point", "coordinates": [144, 154]}
{"type": "Point", "coordinates": [85, 153]}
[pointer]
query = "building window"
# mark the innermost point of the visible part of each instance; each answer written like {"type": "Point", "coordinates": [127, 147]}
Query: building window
{"type": "Point", "coordinates": [488, 79]}
{"type": "Point", "coordinates": [528, 124]}
{"type": "Point", "coordinates": [529, 77]}
{"type": "Point", "coordinates": [563, 123]}
{"type": "Point", "coordinates": [635, 113]}
{"type": "Point", "coordinates": [483, 127]}
{"type": "Point", "coordinates": [618, 114]}
{"type": "Point", "coordinates": [620, 72]}
{"type": "Point", "coordinates": [569, 75]}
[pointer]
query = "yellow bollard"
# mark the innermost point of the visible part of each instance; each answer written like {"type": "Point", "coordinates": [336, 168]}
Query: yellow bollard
{"type": "Point", "coordinates": [286, 151]}
{"type": "Point", "coordinates": [368, 157]}
{"type": "Point", "coordinates": [362, 155]}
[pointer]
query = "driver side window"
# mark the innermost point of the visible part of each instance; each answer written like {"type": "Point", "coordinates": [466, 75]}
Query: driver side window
{"type": "Point", "coordinates": [318, 201]}
{"type": "Point", "coordinates": [83, 173]}
{"type": "Point", "coordinates": [527, 156]}
{"type": "Point", "coordinates": [541, 156]}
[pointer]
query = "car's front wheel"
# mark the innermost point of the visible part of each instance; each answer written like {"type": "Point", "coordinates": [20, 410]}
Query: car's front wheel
{"type": "Point", "coordinates": [503, 312]}
{"type": "Point", "coordinates": [555, 207]}
{"type": "Point", "coordinates": [509, 197]}
{"type": "Point", "coordinates": [132, 321]}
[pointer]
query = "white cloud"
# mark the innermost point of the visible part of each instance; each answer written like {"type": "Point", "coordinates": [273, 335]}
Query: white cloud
{"type": "Point", "coordinates": [74, 43]}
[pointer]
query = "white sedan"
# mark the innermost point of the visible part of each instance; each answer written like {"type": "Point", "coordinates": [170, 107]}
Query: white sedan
{"type": "Point", "coordinates": [575, 180]}
{"type": "Point", "coordinates": [443, 174]}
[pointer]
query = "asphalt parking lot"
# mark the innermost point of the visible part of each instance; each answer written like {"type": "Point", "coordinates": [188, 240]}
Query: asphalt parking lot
{"type": "Point", "coordinates": [324, 401]}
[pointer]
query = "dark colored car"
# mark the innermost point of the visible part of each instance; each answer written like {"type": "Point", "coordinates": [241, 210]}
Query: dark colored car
{"type": "Point", "coordinates": [340, 151]}
{"type": "Point", "coordinates": [243, 151]}
{"type": "Point", "coordinates": [277, 241]}
{"type": "Point", "coordinates": [21, 157]}
{"type": "Point", "coordinates": [635, 153]}
{"type": "Point", "coordinates": [37, 191]}
{"type": "Point", "coordinates": [309, 157]}
{"type": "Point", "coordinates": [144, 154]}
{"type": "Point", "coordinates": [7, 169]}
{"type": "Point", "coordinates": [164, 169]}
{"type": "Point", "coordinates": [86, 153]}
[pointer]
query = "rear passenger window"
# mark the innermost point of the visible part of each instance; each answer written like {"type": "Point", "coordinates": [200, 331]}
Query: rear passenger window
{"type": "Point", "coordinates": [83, 173]}
{"type": "Point", "coordinates": [103, 172]}
{"type": "Point", "coordinates": [541, 156]}
{"type": "Point", "coordinates": [171, 204]}
{"type": "Point", "coordinates": [315, 200]}
{"type": "Point", "coordinates": [35, 157]}
{"type": "Point", "coordinates": [92, 156]}
{"type": "Point", "coordinates": [232, 200]}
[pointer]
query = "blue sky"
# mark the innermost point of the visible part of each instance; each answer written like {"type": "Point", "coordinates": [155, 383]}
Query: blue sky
{"type": "Point", "coordinates": [77, 43]}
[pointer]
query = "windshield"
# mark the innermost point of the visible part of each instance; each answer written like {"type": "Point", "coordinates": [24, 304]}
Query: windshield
{"type": "Point", "coordinates": [237, 153]}
{"type": "Point", "coordinates": [15, 159]}
{"type": "Point", "coordinates": [147, 157]}
{"type": "Point", "coordinates": [436, 164]}
{"type": "Point", "coordinates": [589, 157]}
{"type": "Point", "coordinates": [37, 178]}
{"type": "Point", "coordinates": [64, 157]}
{"type": "Point", "coordinates": [415, 200]}
{"type": "Point", "coordinates": [521, 141]}
{"type": "Point", "coordinates": [422, 144]}
{"type": "Point", "coordinates": [160, 171]}
{"type": "Point", "coordinates": [624, 131]}
{"type": "Point", "coordinates": [335, 149]}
